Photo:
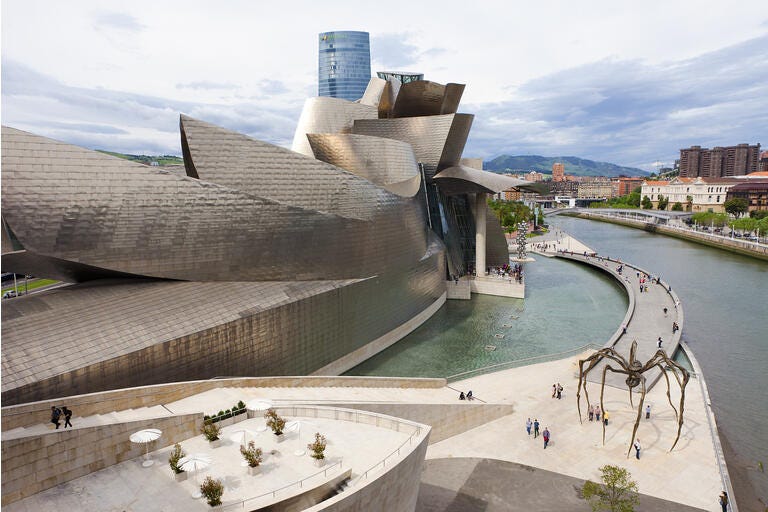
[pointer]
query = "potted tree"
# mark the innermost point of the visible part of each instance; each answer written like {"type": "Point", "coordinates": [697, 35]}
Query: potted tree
{"type": "Point", "coordinates": [213, 490]}
{"type": "Point", "coordinates": [276, 423]}
{"type": "Point", "coordinates": [318, 449]}
{"type": "Point", "coordinates": [252, 456]}
{"type": "Point", "coordinates": [211, 432]}
{"type": "Point", "coordinates": [173, 460]}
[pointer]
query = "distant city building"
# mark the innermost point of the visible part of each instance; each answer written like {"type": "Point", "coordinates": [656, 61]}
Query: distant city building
{"type": "Point", "coordinates": [755, 193]}
{"type": "Point", "coordinates": [564, 188]}
{"type": "Point", "coordinates": [763, 166]}
{"type": "Point", "coordinates": [694, 194]}
{"type": "Point", "coordinates": [719, 161]}
{"type": "Point", "coordinates": [558, 171]}
{"type": "Point", "coordinates": [534, 176]}
{"type": "Point", "coordinates": [344, 64]}
{"type": "Point", "coordinates": [627, 185]}
{"type": "Point", "coordinates": [600, 187]}
{"type": "Point", "coordinates": [403, 77]}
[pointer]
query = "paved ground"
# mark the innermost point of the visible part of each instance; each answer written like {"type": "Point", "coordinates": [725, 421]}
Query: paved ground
{"type": "Point", "coordinates": [486, 485]}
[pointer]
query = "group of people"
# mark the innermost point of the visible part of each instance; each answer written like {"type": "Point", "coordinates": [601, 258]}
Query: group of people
{"type": "Point", "coordinates": [468, 396]}
{"type": "Point", "coordinates": [57, 413]}
{"type": "Point", "coordinates": [595, 413]}
{"type": "Point", "coordinates": [546, 435]}
{"type": "Point", "coordinates": [507, 271]}
{"type": "Point", "coordinates": [557, 391]}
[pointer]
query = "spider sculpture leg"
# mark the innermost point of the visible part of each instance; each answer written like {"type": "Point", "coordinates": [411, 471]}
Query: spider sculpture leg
{"type": "Point", "coordinates": [639, 414]}
{"type": "Point", "coordinates": [594, 360]}
{"type": "Point", "coordinates": [602, 392]}
{"type": "Point", "coordinates": [657, 360]}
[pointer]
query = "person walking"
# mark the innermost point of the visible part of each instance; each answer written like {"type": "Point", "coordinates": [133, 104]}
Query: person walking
{"type": "Point", "coordinates": [545, 435]}
{"type": "Point", "coordinates": [597, 413]}
{"type": "Point", "coordinates": [637, 449]}
{"type": "Point", "coordinates": [605, 418]}
{"type": "Point", "coordinates": [665, 312]}
{"type": "Point", "coordinates": [535, 428]}
{"type": "Point", "coordinates": [591, 413]}
{"type": "Point", "coordinates": [67, 416]}
{"type": "Point", "coordinates": [55, 415]}
{"type": "Point", "coordinates": [660, 341]}
{"type": "Point", "coordinates": [724, 501]}
{"type": "Point", "coordinates": [528, 426]}
{"type": "Point", "coordinates": [559, 391]}
{"type": "Point", "coordinates": [554, 390]}
{"type": "Point", "coordinates": [648, 411]}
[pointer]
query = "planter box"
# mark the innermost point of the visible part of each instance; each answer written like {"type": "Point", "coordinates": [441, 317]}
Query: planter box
{"type": "Point", "coordinates": [319, 462]}
{"type": "Point", "coordinates": [180, 477]}
{"type": "Point", "coordinates": [214, 444]}
{"type": "Point", "coordinates": [280, 438]}
{"type": "Point", "coordinates": [254, 470]}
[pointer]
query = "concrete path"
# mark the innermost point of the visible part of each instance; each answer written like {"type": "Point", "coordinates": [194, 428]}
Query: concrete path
{"type": "Point", "coordinates": [556, 240]}
{"type": "Point", "coordinates": [487, 485]}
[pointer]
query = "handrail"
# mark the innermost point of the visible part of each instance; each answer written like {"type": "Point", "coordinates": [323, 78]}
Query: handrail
{"type": "Point", "coordinates": [524, 361]}
{"type": "Point", "coordinates": [241, 503]}
{"type": "Point", "coordinates": [384, 460]}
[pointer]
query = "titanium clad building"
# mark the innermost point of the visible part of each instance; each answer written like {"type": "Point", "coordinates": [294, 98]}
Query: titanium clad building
{"type": "Point", "coordinates": [344, 64]}
{"type": "Point", "coordinates": [259, 261]}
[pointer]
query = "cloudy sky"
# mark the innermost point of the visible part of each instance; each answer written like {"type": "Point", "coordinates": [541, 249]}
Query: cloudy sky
{"type": "Point", "coordinates": [625, 82]}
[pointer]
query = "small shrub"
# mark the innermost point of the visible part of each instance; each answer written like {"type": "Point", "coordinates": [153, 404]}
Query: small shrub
{"type": "Point", "coordinates": [213, 490]}
{"type": "Point", "coordinates": [175, 456]}
{"type": "Point", "coordinates": [221, 413]}
{"type": "Point", "coordinates": [275, 422]}
{"type": "Point", "coordinates": [252, 455]}
{"type": "Point", "coordinates": [318, 447]}
{"type": "Point", "coordinates": [210, 430]}
{"type": "Point", "coordinates": [240, 405]}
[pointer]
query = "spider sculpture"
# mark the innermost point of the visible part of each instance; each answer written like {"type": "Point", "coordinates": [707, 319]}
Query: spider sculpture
{"type": "Point", "coordinates": [634, 370]}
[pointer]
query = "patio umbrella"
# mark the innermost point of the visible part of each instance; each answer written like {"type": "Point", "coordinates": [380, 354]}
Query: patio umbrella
{"type": "Point", "coordinates": [240, 436]}
{"type": "Point", "coordinates": [259, 404]}
{"type": "Point", "coordinates": [193, 463]}
{"type": "Point", "coordinates": [145, 437]}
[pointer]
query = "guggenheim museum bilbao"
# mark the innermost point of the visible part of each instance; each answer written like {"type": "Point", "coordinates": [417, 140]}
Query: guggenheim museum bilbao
{"type": "Point", "coordinates": [258, 261]}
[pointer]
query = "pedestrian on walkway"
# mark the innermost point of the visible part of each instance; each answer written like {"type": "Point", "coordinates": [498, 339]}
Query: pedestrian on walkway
{"type": "Point", "coordinates": [637, 449]}
{"type": "Point", "coordinates": [559, 391]}
{"type": "Point", "coordinates": [605, 418]}
{"type": "Point", "coordinates": [665, 312]}
{"type": "Point", "coordinates": [535, 428]}
{"type": "Point", "coordinates": [660, 341]}
{"type": "Point", "coordinates": [55, 415]}
{"type": "Point", "coordinates": [554, 390]}
{"type": "Point", "coordinates": [67, 416]}
{"type": "Point", "coordinates": [546, 437]}
{"type": "Point", "coordinates": [648, 411]}
{"type": "Point", "coordinates": [724, 501]}
{"type": "Point", "coordinates": [597, 413]}
{"type": "Point", "coordinates": [591, 412]}
{"type": "Point", "coordinates": [528, 426]}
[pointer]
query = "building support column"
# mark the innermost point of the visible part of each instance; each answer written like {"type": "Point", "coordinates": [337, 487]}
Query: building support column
{"type": "Point", "coordinates": [480, 210]}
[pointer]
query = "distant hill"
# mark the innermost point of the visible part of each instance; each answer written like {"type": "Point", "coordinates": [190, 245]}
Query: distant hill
{"type": "Point", "coordinates": [147, 159]}
{"type": "Point", "coordinates": [573, 165]}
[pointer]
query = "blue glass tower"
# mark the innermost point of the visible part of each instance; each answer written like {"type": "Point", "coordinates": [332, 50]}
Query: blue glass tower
{"type": "Point", "coordinates": [344, 64]}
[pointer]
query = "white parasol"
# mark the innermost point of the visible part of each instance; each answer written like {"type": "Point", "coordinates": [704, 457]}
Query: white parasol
{"type": "Point", "coordinates": [259, 404]}
{"type": "Point", "coordinates": [240, 435]}
{"type": "Point", "coordinates": [193, 463]}
{"type": "Point", "coordinates": [145, 437]}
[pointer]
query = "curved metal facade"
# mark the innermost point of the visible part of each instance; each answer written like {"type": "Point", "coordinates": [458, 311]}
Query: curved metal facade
{"type": "Point", "coordinates": [328, 115]}
{"type": "Point", "coordinates": [388, 163]}
{"type": "Point", "coordinates": [260, 261]}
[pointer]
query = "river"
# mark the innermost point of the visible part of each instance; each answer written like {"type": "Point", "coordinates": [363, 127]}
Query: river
{"type": "Point", "coordinates": [725, 299]}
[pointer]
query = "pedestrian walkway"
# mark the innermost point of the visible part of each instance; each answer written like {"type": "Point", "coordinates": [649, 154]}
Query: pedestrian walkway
{"type": "Point", "coordinates": [552, 242]}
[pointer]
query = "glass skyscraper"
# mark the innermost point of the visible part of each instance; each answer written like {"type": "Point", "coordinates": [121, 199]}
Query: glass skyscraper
{"type": "Point", "coordinates": [344, 64]}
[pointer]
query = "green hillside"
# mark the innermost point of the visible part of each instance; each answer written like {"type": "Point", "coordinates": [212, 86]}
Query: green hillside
{"type": "Point", "coordinates": [573, 165]}
{"type": "Point", "coordinates": [147, 159]}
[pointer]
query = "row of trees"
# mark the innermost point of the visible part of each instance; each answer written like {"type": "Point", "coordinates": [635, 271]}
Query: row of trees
{"type": "Point", "coordinates": [512, 213]}
{"type": "Point", "coordinates": [743, 224]}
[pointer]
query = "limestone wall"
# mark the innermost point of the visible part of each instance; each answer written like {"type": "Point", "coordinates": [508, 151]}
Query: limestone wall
{"type": "Point", "coordinates": [34, 464]}
{"type": "Point", "coordinates": [147, 396]}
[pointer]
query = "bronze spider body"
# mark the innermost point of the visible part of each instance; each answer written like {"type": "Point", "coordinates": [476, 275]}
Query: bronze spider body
{"type": "Point", "coordinates": [634, 370]}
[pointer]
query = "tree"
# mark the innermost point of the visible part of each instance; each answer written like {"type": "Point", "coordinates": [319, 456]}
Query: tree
{"type": "Point", "coordinates": [663, 202]}
{"type": "Point", "coordinates": [540, 218]}
{"type": "Point", "coordinates": [618, 492]}
{"type": "Point", "coordinates": [688, 203]}
{"type": "Point", "coordinates": [736, 206]}
{"type": "Point", "coordinates": [647, 204]}
{"type": "Point", "coordinates": [677, 207]}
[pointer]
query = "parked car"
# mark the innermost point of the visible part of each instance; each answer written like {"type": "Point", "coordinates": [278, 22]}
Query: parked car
{"type": "Point", "coordinates": [10, 294]}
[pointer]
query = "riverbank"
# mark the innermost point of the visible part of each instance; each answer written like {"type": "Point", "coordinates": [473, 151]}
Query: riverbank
{"type": "Point", "coordinates": [724, 244]}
